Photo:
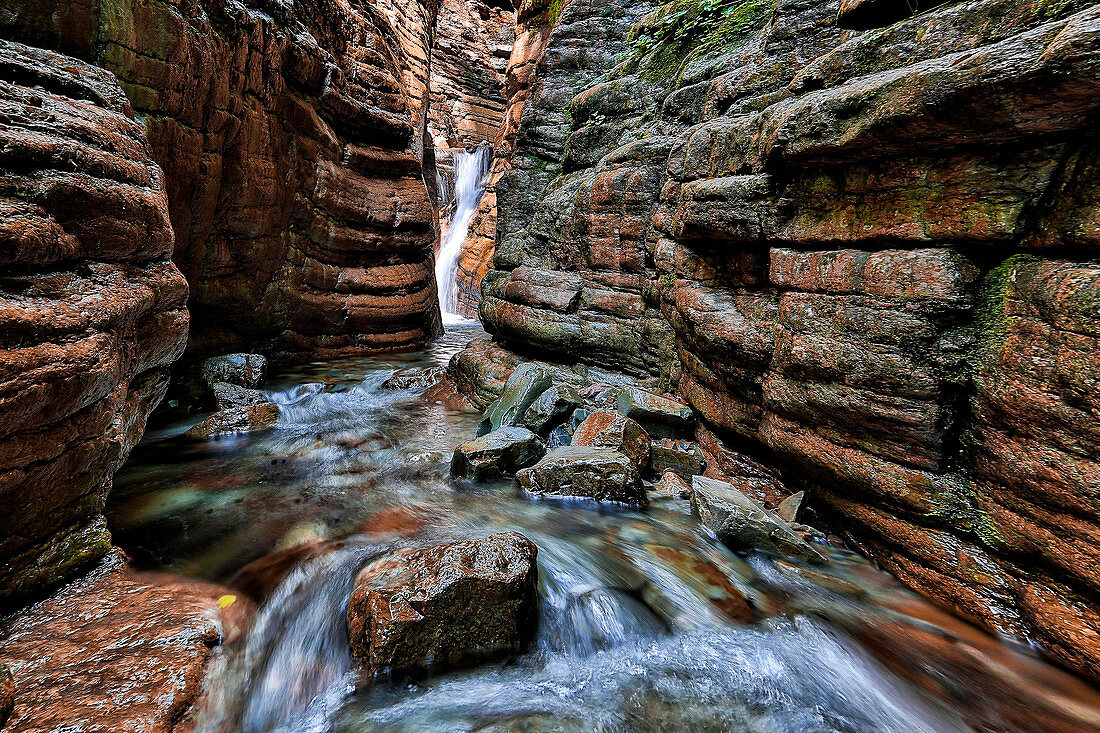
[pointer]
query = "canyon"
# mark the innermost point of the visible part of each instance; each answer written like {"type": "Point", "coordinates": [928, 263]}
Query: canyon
{"type": "Point", "coordinates": [855, 242]}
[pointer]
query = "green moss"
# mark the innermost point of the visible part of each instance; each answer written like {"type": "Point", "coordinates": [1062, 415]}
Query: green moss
{"type": "Point", "coordinates": [991, 319]}
{"type": "Point", "coordinates": [683, 30]}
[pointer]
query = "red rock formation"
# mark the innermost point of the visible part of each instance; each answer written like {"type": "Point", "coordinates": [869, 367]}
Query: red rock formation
{"type": "Point", "coordinates": [291, 141]}
{"type": "Point", "coordinates": [534, 22]}
{"type": "Point", "coordinates": [92, 311]}
{"type": "Point", "coordinates": [868, 258]}
{"type": "Point", "coordinates": [117, 652]}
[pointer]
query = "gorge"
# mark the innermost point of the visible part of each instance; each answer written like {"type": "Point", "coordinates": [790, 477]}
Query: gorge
{"type": "Point", "coordinates": [780, 411]}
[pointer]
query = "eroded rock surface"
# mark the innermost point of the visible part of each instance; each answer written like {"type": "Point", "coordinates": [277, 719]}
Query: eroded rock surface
{"type": "Point", "coordinates": [868, 259]}
{"type": "Point", "coordinates": [115, 651]}
{"type": "Point", "coordinates": [434, 609]}
{"type": "Point", "coordinates": [290, 135]}
{"type": "Point", "coordinates": [92, 311]}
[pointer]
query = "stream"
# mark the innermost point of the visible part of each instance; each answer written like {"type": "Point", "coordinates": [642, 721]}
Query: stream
{"type": "Point", "coordinates": [637, 626]}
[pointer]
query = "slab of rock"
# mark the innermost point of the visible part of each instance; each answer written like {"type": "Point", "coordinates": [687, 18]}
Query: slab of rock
{"type": "Point", "coordinates": [115, 651]}
{"type": "Point", "coordinates": [673, 486]}
{"type": "Point", "coordinates": [551, 408]}
{"type": "Point", "coordinates": [660, 416]}
{"type": "Point", "coordinates": [742, 524]}
{"type": "Point", "coordinates": [603, 474]}
{"type": "Point", "coordinates": [608, 429]}
{"type": "Point", "coordinates": [681, 456]}
{"type": "Point", "coordinates": [497, 454]}
{"type": "Point", "coordinates": [428, 610]}
{"type": "Point", "coordinates": [228, 395]}
{"type": "Point", "coordinates": [236, 420]}
{"type": "Point", "coordinates": [415, 378]}
{"type": "Point", "coordinates": [523, 387]}
{"type": "Point", "coordinates": [788, 508]}
{"type": "Point", "coordinates": [7, 693]}
{"type": "Point", "coordinates": [243, 370]}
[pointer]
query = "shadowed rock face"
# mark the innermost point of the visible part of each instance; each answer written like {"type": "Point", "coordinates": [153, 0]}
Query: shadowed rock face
{"type": "Point", "coordinates": [92, 311]}
{"type": "Point", "coordinates": [869, 258]}
{"type": "Point", "coordinates": [291, 138]}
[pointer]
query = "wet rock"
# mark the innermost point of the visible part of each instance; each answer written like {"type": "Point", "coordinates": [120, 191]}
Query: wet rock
{"type": "Point", "coordinates": [7, 693]}
{"type": "Point", "coordinates": [243, 370]}
{"type": "Point", "coordinates": [117, 651]}
{"type": "Point", "coordinates": [672, 485]}
{"type": "Point", "coordinates": [788, 508]}
{"type": "Point", "coordinates": [660, 416]}
{"type": "Point", "coordinates": [228, 395]}
{"type": "Point", "coordinates": [92, 310]}
{"type": "Point", "coordinates": [603, 474]}
{"type": "Point", "coordinates": [742, 524]}
{"type": "Point", "coordinates": [429, 610]}
{"type": "Point", "coordinates": [551, 407]}
{"type": "Point", "coordinates": [236, 420]}
{"type": "Point", "coordinates": [559, 436]}
{"type": "Point", "coordinates": [523, 387]}
{"type": "Point", "coordinates": [579, 415]}
{"type": "Point", "coordinates": [497, 454]}
{"type": "Point", "coordinates": [680, 456]}
{"type": "Point", "coordinates": [415, 378]}
{"type": "Point", "coordinates": [607, 429]}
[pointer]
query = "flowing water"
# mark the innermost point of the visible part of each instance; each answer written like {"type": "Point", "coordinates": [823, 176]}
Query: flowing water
{"type": "Point", "coordinates": [471, 168]}
{"type": "Point", "coordinates": [638, 625]}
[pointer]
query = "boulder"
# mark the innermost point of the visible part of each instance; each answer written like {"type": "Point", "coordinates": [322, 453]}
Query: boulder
{"type": "Point", "coordinates": [7, 693]}
{"type": "Point", "coordinates": [236, 420]}
{"type": "Point", "coordinates": [415, 378]}
{"type": "Point", "coordinates": [428, 610]}
{"type": "Point", "coordinates": [788, 508]}
{"type": "Point", "coordinates": [499, 453]}
{"type": "Point", "coordinates": [681, 456]}
{"type": "Point", "coordinates": [742, 524]}
{"type": "Point", "coordinates": [523, 387]}
{"type": "Point", "coordinates": [672, 486]}
{"type": "Point", "coordinates": [559, 436]}
{"type": "Point", "coordinates": [243, 370]}
{"type": "Point", "coordinates": [660, 416]}
{"type": "Point", "coordinates": [603, 474]}
{"type": "Point", "coordinates": [607, 429]}
{"type": "Point", "coordinates": [228, 395]}
{"type": "Point", "coordinates": [551, 408]}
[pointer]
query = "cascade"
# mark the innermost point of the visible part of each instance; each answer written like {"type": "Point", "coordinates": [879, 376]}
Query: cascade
{"type": "Point", "coordinates": [471, 169]}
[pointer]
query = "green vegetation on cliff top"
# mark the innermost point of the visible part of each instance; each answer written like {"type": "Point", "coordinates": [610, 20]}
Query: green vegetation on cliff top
{"type": "Point", "coordinates": [683, 30]}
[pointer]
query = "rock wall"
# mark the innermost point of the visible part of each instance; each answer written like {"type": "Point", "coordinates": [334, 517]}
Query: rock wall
{"type": "Point", "coordinates": [534, 22]}
{"type": "Point", "coordinates": [92, 310]}
{"type": "Point", "coordinates": [473, 40]}
{"type": "Point", "coordinates": [291, 137]}
{"type": "Point", "coordinates": [867, 258]}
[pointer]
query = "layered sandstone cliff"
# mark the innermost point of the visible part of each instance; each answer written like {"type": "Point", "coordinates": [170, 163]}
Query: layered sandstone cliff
{"type": "Point", "coordinates": [535, 20]}
{"type": "Point", "coordinates": [867, 258]}
{"type": "Point", "coordinates": [291, 137]}
{"type": "Point", "coordinates": [92, 310]}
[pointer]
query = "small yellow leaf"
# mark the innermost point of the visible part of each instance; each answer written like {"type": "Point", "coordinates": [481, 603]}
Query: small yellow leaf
{"type": "Point", "coordinates": [226, 600]}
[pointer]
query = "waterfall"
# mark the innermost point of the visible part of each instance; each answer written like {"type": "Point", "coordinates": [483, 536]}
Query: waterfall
{"type": "Point", "coordinates": [471, 169]}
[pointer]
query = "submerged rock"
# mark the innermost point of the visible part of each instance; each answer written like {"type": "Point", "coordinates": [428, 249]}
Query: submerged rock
{"type": "Point", "coordinates": [499, 453]}
{"type": "Point", "coordinates": [603, 474]}
{"type": "Point", "coordinates": [227, 396]}
{"type": "Point", "coordinates": [661, 416]}
{"type": "Point", "coordinates": [433, 609]}
{"type": "Point", "coordinates": [607, 429]}
{"type": "Point", "coordinates": [7, 693]}
{"type": "Point", "coordinates": [243, 370]}
{"type": "Point", "coordinates": [236, 420]}
{"type": "Point", "coordinates": [415, 378]}
{"type": "Point", "coordinates": [551, 408]}
{"type": "Point", "coordinates": [523, 387]}
{"type": "Point", "coordinates": [742, 524]}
